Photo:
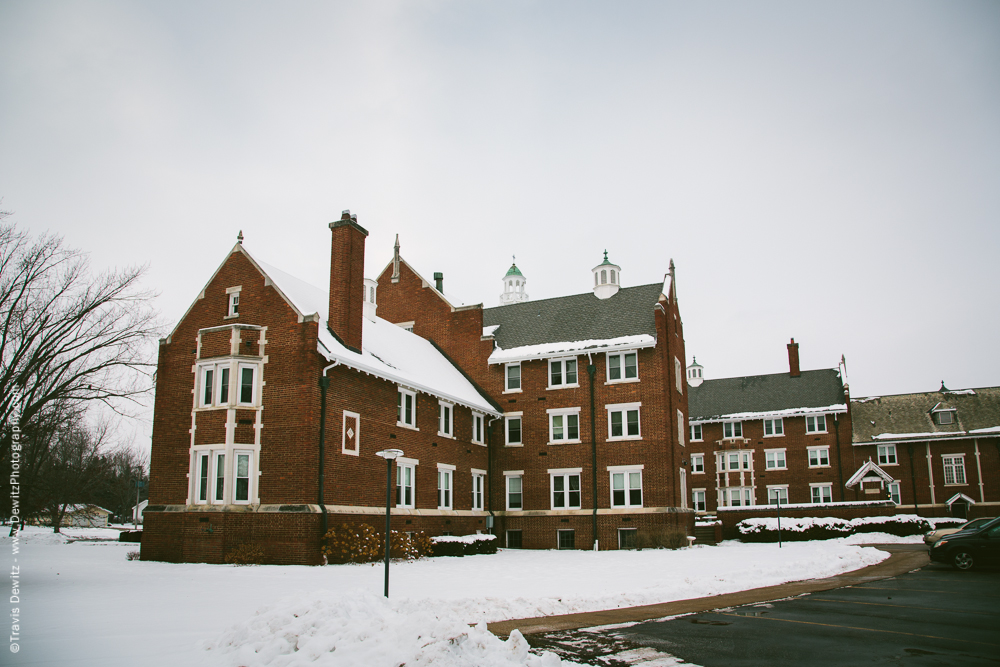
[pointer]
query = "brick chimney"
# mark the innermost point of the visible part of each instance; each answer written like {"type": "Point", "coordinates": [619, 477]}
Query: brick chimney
{"type": "Point", "coordinates": [793, 359]}
{"type": "Point", "coordinates": [347, 279]}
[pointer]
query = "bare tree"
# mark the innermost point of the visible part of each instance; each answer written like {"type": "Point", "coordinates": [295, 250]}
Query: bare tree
{"type": "Point", "coordinates": [68, 339]}
{"type": "Point", "coordinates": [77, 471]}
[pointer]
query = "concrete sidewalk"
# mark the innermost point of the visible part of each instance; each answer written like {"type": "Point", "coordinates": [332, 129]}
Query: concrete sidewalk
{"type": "Point", "coordinates": [902, 559]}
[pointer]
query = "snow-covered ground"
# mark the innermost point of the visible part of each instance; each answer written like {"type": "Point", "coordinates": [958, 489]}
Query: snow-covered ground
{"type": "Point", "coordinates": [83, 603]}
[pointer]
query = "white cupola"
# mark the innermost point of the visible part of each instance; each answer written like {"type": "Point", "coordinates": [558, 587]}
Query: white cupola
{"type": "Point", "coordinates": [371, 305]}
{"type": "Point", "coordinates": [696, 373]}
{"type": "Point", "coordinates": [513, 286]}
{"type": "Point", "coordinates": [607, 278]}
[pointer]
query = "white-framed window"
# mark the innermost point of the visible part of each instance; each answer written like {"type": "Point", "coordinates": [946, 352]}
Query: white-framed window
{"type": "Point", "coordinates": [678, 375]}
{"type": "Point", "coordinates": [944, 417]}
{"type": "Point", "coordinates": [698, 500]}
{"type": "Point", "coordinates": [565, 486]}
{"type": "Point", "coordinates": [564, 426]}
{"type": "Point", "coordinates": [774, 459]}
{"type": "Point", "coordinates": [697, 463]}
{"type": "Point", "coordinates": [737, 496]}
{"type": "Point", "coordinates": [563, 373]}
{"type": "Point", "coordinates": [220, 478]}
{"type": "Point", "coordinates": [819, 457]}
{"type": "Point", "coordinates": [446, 474]}
{"type": "Point", "coordinates": [478, 428]}
{"type": "Point", "coordinates": [242, 478]}
{"type": "Point", "coordinates": [680, 428]}
{"type": "Point", "coordinates": [405, 326]}
{"type": "Point", "coordinates": [406, 408]}
{"type": "Point", "coordinates": [623, 421]}
{"type": "Point", "coordinates": [233, 301]}
{"type": "Point", "coordinates": [816, 424]}
{"type": "Point", "coordinates": [773, 428]}
{"type": "Point", "coordinates": [351, 434]}
{"type": "Point", "coordinates": [512, 377]}
{"type": "Point", "coordinates": [203, 475]}
{"type": "Point", "coordinates": [954, 468]}
{"type": "Point", "coordinates": [894, 493]}
{"type": "Point", "coordinates": [478, 489]}
{"type": "Point", "coordinates": [696, 435]}
{"type": "Point", "coordinates": [887, 455]}
{"type": "Point", "coordinates": [247, 389]}
{"type": "Point", "coordinates": [215, 385]}
{"type": "Point", "coordinates": [512, 427]}
{"type": "Point", "coordinates": [623, 366]}
{"type": "Point", "coordinates": [626, 486]}
{"type": "Point", "coordinates": [821, 493]}
{"type": "Point", "coordinates": [682, 473]}
{"type": "Point", "coordinates": [734, 461]}
{"type": "Point", "coordinates": [776, 493]}
{"type": "Point", "coordinates": [405, 478]}
{"type": "Point", "coordinates": [513, 481]}
{"type": "Point", "coordinates": [732, 430]}
{"type": "Point", "coordinates": [446, 419]}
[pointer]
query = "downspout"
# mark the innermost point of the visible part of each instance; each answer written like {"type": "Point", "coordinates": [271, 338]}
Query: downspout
{"type": "Point", "coordinates": [592, 372]}
{"type": "Point", "coordinates": [840, 465]}
{"type": "Point", "coordinates": [324, 383]}
{"type": "Point", "coordinates": [913, 480]}
{"type": "Point", "coordinates": [488, 428]}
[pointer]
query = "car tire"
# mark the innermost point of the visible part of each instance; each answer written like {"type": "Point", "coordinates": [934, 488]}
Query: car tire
{"type": "Point", "coordinates": [962, 560]}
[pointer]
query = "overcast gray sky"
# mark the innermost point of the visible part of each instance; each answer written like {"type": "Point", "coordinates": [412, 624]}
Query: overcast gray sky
{"type": "Point", "coordinates": [828, 171]}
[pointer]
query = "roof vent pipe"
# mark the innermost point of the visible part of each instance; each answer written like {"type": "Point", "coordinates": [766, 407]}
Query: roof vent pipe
{"type": "Point", "coordinates": [439, 281]}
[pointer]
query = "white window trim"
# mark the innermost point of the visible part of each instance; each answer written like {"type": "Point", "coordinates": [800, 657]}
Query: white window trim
{"type": "Point", "coordinates": [402, 409]}
{"type": "Point", "coordinates": [814, 417]}
{"type": "Point", "coordinates": [621, 354]}
{"type": "Point", "coordinates": [623, 408]}
{"type": "Point", "coordinates": [694, 503]}
{"type": "Point", "coordinates": [520, 376]}
{"type": "Point", "coordinates": [507, 474]}
{"type": "Point", "coordinates": [561, 412]}
{"type": "Point", "coordinates": [216, 366]}
{"type": "Point", "coordinates": [702, 458]}
{"type": "Point", "coordinates": [820, 485]}
{"type": "Point", "coordinates": [564, 385]}
{"type": "Point", "coordinates": [681, 430]}
{"type": "Point", "coordinates": [565, 473]}
{"type": "Point", "coordinates": [777, 420]}
{"type": "Point", "coordinates": [878, 455]}
{"type": "Point", "coordinates": [482, 428]}
{"type": "Point", "coordinates": [238, 381]}
{"type": "Point", "coordinates": [411, 464]}
{"type": "Point", "coordinates": [406, 326]}
{"type": "Point", "coordinates": [784, 458]}
{"type": "Point", "coordinates": [232, 292]}
{"type": "Point", "coordinates": [810, 450]}
{"type": "Point", "coordinates": [743, 455]}
{"type": "Point", "coordinates": [678, 376]}
{"type": "Point", "coordinates": [899, 491]}
{"type": "Point", "coordinates": [733, 429]}
{"type": "Point", "coordinates": [701, 432]}
{"type": "Point", "coordinates": [481, 475]}
{"type": "Point", "coordinates": [965, 474]}
{"type": "Point", "coordinates": [727, 497]}
{"type": "Point", "coordinates": [357, 434]}
{"type": "Point", "coordinates": [251, 479]}
{"type": "Point", "coordinates": [506, 429]}
{"type": "Point", "coordinates": [625, 470]}
{"type": "Point", "coordinates": [450, 433]}
{"type": "Point", "coordinates": [780, 487]}
{"type": "Point", "coordinates": [449, 472]}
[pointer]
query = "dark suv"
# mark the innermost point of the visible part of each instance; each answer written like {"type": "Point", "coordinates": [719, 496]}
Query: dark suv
{"type": "Point", "coordinates": [968, 548]}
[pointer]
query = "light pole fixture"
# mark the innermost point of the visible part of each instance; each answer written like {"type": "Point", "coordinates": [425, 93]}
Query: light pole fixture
{"type": "Point", "coordinates": [388, 455]}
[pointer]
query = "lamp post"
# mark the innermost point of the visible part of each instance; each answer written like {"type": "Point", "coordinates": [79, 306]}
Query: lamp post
{"type": "Point", "coordinates": [388, 455]}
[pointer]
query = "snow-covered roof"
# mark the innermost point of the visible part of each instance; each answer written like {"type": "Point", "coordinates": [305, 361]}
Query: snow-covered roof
{"type": "Point", "coordinates": [908, 417]}
{"type": "Point", "coordinates": [545, 350]}
{"type": "Point", "coordinates": [388, 351]}
{"type": "Point", "coordinates": [774, 414]}
{"type": "Point", "coordinates": [869, 466]}
{"type": "Point", "coordinates": [767, 396]}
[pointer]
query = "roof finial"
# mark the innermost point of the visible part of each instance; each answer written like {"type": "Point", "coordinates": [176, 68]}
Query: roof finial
{"type": "Point", "coordinates": [605, 255]}
{"type": "Point", "coordinates": [239, 238]}
{"type": "Point", "coordinates": [395, 261]}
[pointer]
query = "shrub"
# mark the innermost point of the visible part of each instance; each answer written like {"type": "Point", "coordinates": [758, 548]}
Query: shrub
{"type": "Point", "coordinates": [792, 530]}
{"type": "Point", "coordinates": [661, 538]}
{"type": "Point", "coordinates": [132, 555]}
{"type": "Point", "coordinates": [900, 525]}
{"type": "Point", "coordinates": [464, 545]}
{"type": "Point", "coordinates": [246, 554]}
{"type": "Point", "coordinates": [353, 543]}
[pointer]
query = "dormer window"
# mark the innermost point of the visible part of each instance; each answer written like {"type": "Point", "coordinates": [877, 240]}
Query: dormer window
{"type": "Point", "coordinates": [944, 417]}
{"type": "Point", "coordinates": [233, 295]}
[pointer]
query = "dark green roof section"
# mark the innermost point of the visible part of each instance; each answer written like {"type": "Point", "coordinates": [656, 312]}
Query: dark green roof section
{"type": "Point", "coordinates": [577, 317]}
{"type": "Point", "coordinates": [765, 393]}
{"type": "Point", "coordinates": [904, 414]}
{"type": "Point", "coordinates": [514, 271]}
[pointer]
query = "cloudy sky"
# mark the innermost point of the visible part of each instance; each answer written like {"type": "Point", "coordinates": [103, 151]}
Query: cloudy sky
{"type": "Point", "coordinates": [828, 171]}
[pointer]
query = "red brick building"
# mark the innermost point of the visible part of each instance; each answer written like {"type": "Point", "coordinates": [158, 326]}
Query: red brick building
{"type": "Point", "coordinates": [272, 398]}
{"type": "Point", "coordinates": [590, 446]}
{"type": "Point", "coordinates": [937, 453]}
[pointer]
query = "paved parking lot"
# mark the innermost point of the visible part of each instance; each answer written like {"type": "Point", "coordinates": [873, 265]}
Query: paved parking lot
{"type": "Point", "coordinates": [934, 616]}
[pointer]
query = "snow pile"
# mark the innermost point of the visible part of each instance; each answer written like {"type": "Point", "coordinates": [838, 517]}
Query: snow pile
{"type": "Point", "coordinates": [366, 629]}
{"type": "Point", "coordinates": [464, 539]}
{"type": "Point", "coordinates": [899, 525]}
{"type": "Point", "coordinates": [760, 525]}
{"type": "Point", "coordinates": [44, 535]}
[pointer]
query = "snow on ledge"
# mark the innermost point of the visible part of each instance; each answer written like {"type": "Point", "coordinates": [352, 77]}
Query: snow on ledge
{"type": "Point", "coordinates": [464, 539]}
{"type": "Point", "coordinates": [545, 350]}
{"type": "Point", "coordinates": [980, 431]}
{"type": "Point", "coordinates": [789, 412]}
{"type": "Point", "coordinates": [798, 506]}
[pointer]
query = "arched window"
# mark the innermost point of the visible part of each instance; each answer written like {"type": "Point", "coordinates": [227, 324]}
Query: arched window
{"type": "Point", "coordinates": [612, 276]}
{"type": "Point", "coordinates": [604, 276]}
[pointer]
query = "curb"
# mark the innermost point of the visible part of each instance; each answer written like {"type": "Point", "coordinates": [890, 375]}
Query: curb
{"type": "Point", "coordinates": [902, 559]}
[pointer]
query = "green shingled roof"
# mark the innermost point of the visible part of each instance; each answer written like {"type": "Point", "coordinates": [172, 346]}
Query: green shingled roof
{"type": "Point", "coordinates": [577, 317]}
{"type": "Point", "coordinates": [765, 393]}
